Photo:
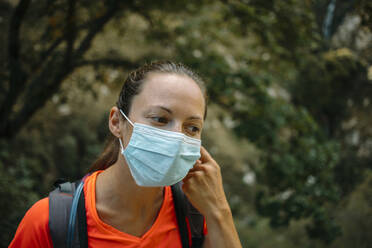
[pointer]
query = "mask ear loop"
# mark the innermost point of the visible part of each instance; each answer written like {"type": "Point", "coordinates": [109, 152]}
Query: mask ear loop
{"type": "Point", "coordinates": [126, 117]}
{"type": "Point", "coordinates": [121, 143]}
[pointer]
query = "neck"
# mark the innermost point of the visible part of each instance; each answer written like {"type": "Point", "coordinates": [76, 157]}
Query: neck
{"type": "Point", "coordinates": [116, 191]}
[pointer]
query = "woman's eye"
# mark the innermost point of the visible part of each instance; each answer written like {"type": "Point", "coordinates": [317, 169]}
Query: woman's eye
{"type": "Point", "coordinates": [193, 129]}
{"type": "Point", "coordinates": [160, 119]}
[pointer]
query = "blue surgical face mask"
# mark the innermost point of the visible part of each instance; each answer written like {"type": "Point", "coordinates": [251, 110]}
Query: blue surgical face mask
{"type": "Point", "coordinates": [159, 157]}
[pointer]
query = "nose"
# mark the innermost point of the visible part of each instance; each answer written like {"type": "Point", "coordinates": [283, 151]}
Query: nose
{"type": "Point", "coordinates": [177, 127]}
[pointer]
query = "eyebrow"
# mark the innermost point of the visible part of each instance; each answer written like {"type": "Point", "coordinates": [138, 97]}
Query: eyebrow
{"type": "Point", "coordinates": [194, 118]}
{"type": "Point", "coordinates": [164, 108]}
{"type": "Point", "coordinates": [170, 112]}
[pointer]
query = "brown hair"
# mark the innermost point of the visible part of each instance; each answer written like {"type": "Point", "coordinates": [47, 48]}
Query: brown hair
{"type": "Point", "coordinates": [131, 88]}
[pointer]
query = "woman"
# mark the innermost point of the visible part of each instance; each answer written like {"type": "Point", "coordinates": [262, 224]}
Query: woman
{"type": "Point", "coordinates": [156, 129]}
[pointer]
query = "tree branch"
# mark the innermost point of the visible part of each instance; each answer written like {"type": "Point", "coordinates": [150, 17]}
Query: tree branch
{"type": "Point", "coordinates": [97, 26]}
{"type": "Point", "coordinates": [44, 56]}
{"type": "Point", "coordinates": [17, 78]}
{"type": "Point", "coordinates": [49, 51]}
{"type": "Point", "coordinates": [71, 33]}
{"type": "Point", "coordinates": [13, 40]}
{"type": "Point", "coordinates": [48, 82]}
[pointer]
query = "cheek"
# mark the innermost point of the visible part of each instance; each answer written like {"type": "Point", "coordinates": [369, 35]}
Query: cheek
{"type": "Point", "coordinates": [127, 135]}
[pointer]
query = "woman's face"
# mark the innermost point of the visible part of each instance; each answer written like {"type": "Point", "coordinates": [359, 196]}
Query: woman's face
{"type": "Point", "coordinates": [168, 101]}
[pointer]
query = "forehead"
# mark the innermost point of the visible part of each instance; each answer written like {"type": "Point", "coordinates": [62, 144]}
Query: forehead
{"type": "Point", "coordinates": [177, 92]}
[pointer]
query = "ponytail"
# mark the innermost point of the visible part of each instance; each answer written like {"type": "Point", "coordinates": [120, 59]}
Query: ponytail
{"type": "Point", "coordinates": [109, 155]}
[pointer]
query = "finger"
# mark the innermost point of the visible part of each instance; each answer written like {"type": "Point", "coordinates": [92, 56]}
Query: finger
{"type": "Point", "coordinates": [204, 155]}
{"type": "Point", "coordinates": [188, 177]}
{"type": "Point", "coordinates": [197, 166]}
{"type": "Point", "coordinates": [191, 174]}
{"type": "Point", "coordinates": [195, 174]}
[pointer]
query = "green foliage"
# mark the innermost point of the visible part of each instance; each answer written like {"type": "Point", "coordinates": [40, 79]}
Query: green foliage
{"type": "Point", "coordinates": [328, 83]}
{"type": "Point", "coordinates": [355, 216]}
{"type": "Point", "coordinates": [17, 185]}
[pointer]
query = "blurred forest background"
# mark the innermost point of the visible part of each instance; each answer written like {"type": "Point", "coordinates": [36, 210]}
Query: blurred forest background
{"type": "Point", "coordinates": [290, 87]}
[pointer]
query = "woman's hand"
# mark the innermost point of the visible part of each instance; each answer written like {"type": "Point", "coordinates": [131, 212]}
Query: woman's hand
{"type": "Point", "coordinates": [203, 187]}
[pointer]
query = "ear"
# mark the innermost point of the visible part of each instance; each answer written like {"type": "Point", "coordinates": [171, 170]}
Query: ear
{"type": "Point", "coordinates": [114, 121]}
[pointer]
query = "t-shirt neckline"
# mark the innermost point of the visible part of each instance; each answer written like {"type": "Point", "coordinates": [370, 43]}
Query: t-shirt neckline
{"type": "Point", "coordinates": [108, 228]}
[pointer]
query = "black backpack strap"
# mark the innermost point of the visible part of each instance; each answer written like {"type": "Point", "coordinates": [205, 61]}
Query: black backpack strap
{"type": "Point", "coordinates": [72, 232]}
{"type": "Point", "coordinates": [180, 207]}
{"type": "Point", "coordinates": [196, 221]}
{"type": "Point", "coordinates": [82, 222]}
{"type": "Point", "coordinates": [184, 210]}
{"type": "Point", "coordinates": [60, 203]}
{"type": "Point", "coordinates": [60, 200]}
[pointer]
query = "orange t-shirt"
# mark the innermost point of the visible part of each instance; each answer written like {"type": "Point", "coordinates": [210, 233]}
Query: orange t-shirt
{"type": "Point", "coordinates": [33, 231]}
